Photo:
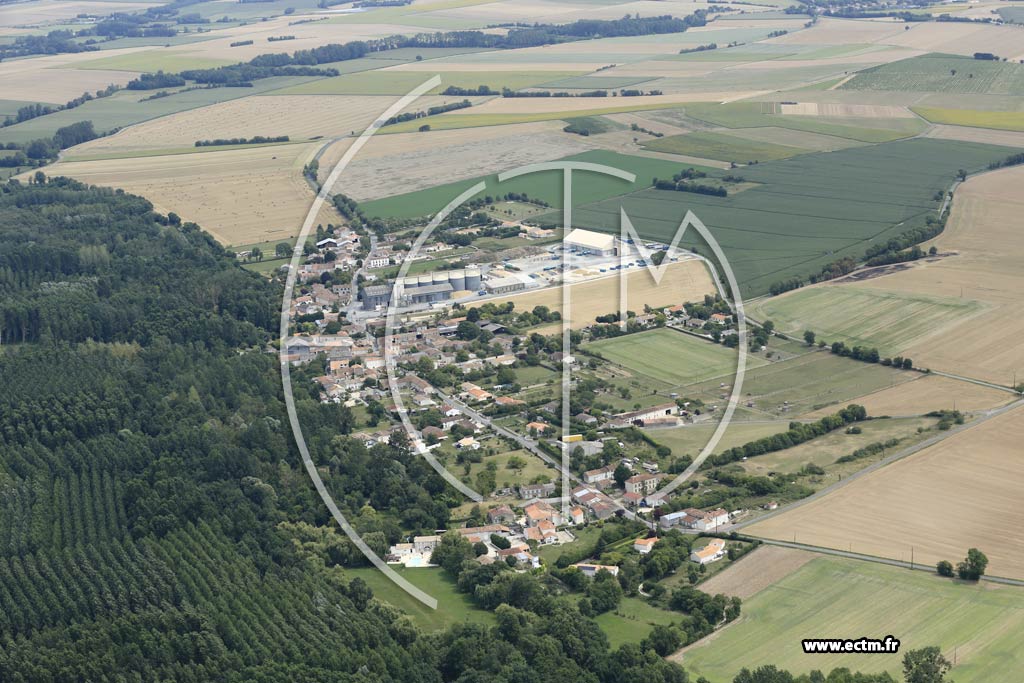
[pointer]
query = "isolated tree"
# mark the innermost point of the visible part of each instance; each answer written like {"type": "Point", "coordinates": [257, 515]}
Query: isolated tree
{"type": "Point", "coordinates": [282, 249]}
{"type": "Point", "coordinates": [973, 566]}
{"type": "Point", "coordinates": [809, 337]}
{"type": "Point", "coordinates": [926, 665]}
{"type": "Point", "coordinates": [621, 474]}
{"type": "Point", "coordinates": [256, 254]}
{"type": "Point", "coordinates": [944, 568]}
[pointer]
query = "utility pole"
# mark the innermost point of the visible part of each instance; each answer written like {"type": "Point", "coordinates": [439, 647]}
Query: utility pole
{"type": "Point", "coordinates": [911, 558]}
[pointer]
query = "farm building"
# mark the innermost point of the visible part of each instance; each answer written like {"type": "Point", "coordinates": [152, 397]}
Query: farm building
{"type": "Point", "coordinates": [374, 296]}
{"type": "Point", "coordinates": [658, 412]}
{"type": "Point", "coordinates": [504, 285]}
{"type": "Point", "coordinates": [590, 242]}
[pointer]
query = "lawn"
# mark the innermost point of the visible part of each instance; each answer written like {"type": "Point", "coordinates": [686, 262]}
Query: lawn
{"type": "Point", "coordinates": [791, 388]}
{"type": "Point", "coordinates": [633, 620]}
{"type": "Point", "coordinates": [669, 356]}
{"type": "Point", "coordinates": [999, 120]}
{"type": "Point", "coordinates": [533, 467]}
{"type": "Point", "coordinates": [452, 607]}
{"type": "Point", "coordinates": [890, 321]}
{"type": "Point", "coordinates": [690, 439]}
{"type": "Point", "coordinates": [400, 82]}
{"type": "Point", "coordinates": [942, 73]}
{"type": "Point", "coordinates": [722, 147]}
{"type": "Point", "coordinates": [838, 598]}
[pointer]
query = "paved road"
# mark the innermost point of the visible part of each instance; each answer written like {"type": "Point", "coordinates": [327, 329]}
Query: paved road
{"type": "Point", "coordinates": [532, 446]}
{"type": "Point", "coordinates": [879, 560]}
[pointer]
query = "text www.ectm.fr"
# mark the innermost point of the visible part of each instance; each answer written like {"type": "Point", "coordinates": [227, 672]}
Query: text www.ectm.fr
{"type": "Point", "coordinates": [888, 645]}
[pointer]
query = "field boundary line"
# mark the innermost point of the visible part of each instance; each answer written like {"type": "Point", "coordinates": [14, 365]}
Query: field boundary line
{"type": "Point", "coordinates": [863, 557]}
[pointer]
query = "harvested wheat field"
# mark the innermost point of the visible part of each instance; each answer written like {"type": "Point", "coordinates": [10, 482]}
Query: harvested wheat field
{"type": "Point", "coordinates": [964, 492]}
{"type": "Point", "coordinates": [239, 196]}
{"type": "Point", "coordinates": [930, 392]}
{"type": "Point", "coordinates": [307, 36]}
{"type": "Point", "coordinates": [54, 78]}
{"type": "Point", "coordinates": [405, 162]}
{"type": "Point", "coordinates": [56, 11]}
{"type": "Point", "coordinates": [300, 117]}
{"type": "Point", "coordinates": [1009, 138]}
{"type": "Point", "coordinates": [962, 39]}
{"type": "Point", "coordinates": [871, 111]}
{"type": "Point", "coordinates": [756, 571]}
{"type": "Point", "coordinates": [530, 105]}
{"type": "Point", "coordinates": [985, 230]}
{"type": "Point", "coordinates": [683, 281]}
{"type": "Point", "coordinates": [842, 32]}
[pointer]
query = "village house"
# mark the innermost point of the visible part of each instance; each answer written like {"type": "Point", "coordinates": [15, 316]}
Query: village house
{"type": "Point", "coordinates": [590, 570]}
{"type": "Point", "coordinates": [715, 550]}
{"type": "Point", "coordinates": [502, 514]}
{"type": "Point", "coordinates": [642, 483]}
{"type": "Point", "coordinates": [644, 545]}
{"type": "Point", "coordinates": [468, 442]}
{"type": "Point", "coordinates": [530, 491]}
{"type": "Point", "coordinates": [541, 511]}
{"type": "Point", "coordinates": [602, 476]}
{"type": "Point", "coordinates": [692, 518]}
{"type": "Point", "coordinates": [425, 544]}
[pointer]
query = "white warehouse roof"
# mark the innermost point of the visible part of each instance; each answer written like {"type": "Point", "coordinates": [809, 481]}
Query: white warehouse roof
{"type": "Point", "coordinates": [590, 239]}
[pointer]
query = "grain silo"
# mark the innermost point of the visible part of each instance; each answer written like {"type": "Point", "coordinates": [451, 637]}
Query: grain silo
{"type": "Point", "coordinates": [458, 279]}
{"type": "Point", "coordinates": [473, 278]}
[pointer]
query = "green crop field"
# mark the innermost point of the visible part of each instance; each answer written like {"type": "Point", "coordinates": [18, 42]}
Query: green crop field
{"type": "Point", "coordinates": [668, 356]}
{"type": "Point", "coordinates": [761, 114]}
{"type": "Point", "coordinates": [153, 60]}
{"type": "Point", "coordinates": [838, 598]}
{"type": "Point", "coordinates": [999, 120]}
{"type": "Point", "coordinates": [1013, 15]}
{"type": "Point", "coordinates": [722, 147]}
{"type": "Point", "coordinates": [401, 82]}
{"type": "Point", "coordinates": [453, 121]}
{"type": "Point", "coordinates": [890, 321]}
{"type": "Point", "coordinates": [589, 187]}
{"type": "Point", "coordinates": [594, 82]}
{"type": "Point", "coordinates": [942, 73]}
{"type": "Point", "coordinates": [807, 211]}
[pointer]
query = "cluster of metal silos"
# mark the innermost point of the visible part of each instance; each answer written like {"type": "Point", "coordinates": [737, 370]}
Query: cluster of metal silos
{"type": "Point", "coordinates": [462, 279]}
